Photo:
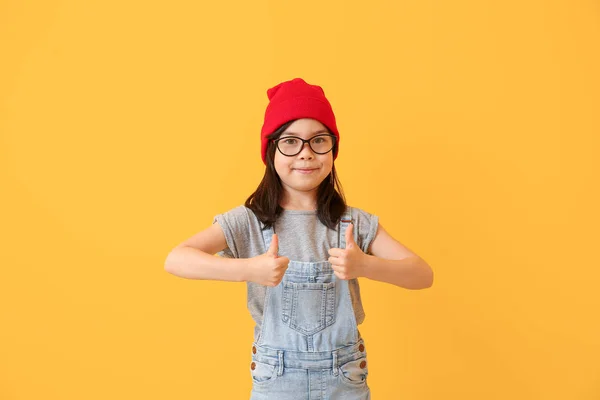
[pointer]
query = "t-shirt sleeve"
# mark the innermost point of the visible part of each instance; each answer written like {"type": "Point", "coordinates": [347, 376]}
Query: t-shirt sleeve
{"type": "Point", "coordinates": [365, 225]}
{"type": "Point", "coordinates": [233, 223]}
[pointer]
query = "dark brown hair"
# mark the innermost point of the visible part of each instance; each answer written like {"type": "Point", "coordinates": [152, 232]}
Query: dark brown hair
{"type": "Point", "coordinates": [264, 202]}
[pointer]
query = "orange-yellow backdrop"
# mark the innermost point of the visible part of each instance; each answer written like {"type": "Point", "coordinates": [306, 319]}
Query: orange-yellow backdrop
{"type": "Point", "coordinates": [471, 128]}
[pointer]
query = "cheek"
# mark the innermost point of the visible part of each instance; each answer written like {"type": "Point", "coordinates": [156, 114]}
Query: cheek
{"type": "Point", "coordinates": [281, 166]}
{"type": "Point", "coordinates": [328, 163]}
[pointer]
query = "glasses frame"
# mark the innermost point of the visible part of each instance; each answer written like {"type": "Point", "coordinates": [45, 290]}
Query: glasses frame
{"type": "Point", "coordinates": [304, 141]}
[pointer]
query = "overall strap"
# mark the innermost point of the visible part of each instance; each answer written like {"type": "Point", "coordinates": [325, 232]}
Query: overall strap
{"type": "Point", "coordinates": [343, 225]}
{"type": "Point", "coordinates": [267, 235]}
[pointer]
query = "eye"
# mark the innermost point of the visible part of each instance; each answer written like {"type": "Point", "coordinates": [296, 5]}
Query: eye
{"type": "Point", "coordinates": [318, 140]}
{"type": "Point", "coordinates": [290, 141]}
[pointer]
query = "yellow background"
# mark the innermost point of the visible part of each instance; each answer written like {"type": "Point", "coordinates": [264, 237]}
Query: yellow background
{"type": "Point", "coordinates": [471, 128]}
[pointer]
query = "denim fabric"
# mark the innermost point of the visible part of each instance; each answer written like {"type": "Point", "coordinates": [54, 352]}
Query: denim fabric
{"type": "Point", "coordinates": [309, 346]}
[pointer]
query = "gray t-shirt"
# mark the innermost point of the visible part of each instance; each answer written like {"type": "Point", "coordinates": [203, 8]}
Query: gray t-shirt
{"type": "Point", "coordinates": [302, 237]}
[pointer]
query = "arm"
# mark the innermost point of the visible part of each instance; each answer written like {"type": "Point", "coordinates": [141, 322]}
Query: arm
{"type": "Point", "coordinates": [194, 259]}
{"type": "Point", "coordinates": [393, 263]}
{"type": "Point", "coordinates": [390, 262]}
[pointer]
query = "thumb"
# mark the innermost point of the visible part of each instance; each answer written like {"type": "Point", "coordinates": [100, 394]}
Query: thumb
{"type": "Point", "coordinates": [350, 237]}
{"type": "Point", "coordinates": [274, 247]}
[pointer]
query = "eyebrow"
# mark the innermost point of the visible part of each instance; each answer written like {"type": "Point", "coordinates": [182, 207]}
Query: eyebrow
{"type": "Point", "coordinates": [297, 134]}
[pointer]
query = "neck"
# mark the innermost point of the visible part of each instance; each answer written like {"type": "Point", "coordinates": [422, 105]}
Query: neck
{"type": "Point", "coordinates": [296, 200]}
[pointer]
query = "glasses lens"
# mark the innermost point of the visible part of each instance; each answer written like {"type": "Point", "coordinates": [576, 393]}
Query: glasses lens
{"type": "Point", "coordinates": [321, 144]}
{"type": "Point", "coordinates": [289, 146]}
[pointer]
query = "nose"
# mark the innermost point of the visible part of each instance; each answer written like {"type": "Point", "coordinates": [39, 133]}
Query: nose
{"type": "Point", "coordinates": [306, 153]}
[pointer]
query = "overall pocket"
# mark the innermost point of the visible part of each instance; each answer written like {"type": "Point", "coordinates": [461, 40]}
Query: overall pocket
{"type": "Point", "coordinates": [262, 373]}
{"type": "Point", "coordinates": [355, 372]}
{"type": "Point", "coordinates": [308, 307]}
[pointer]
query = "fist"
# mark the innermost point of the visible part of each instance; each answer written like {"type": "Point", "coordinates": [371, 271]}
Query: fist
{"type": "Point", "coordinates": [348, 263]}
{"type": "Point", "coordinates": [268, 269]}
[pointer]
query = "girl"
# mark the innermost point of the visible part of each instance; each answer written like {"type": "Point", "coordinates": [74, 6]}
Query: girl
{"type": "Point", "coordinates": [300, 249]}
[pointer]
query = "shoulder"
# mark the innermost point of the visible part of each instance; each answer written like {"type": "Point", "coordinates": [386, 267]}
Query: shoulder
{"type": "Point", "coordinates": [238, 225]}
{"type": "Point", "coordinates": [239, 216]}
{"type": "Point", "coordinates": [240, 211]}
{"type": "Point", "coordinates": [365, 226]}
{"type": "Point", "coordinates": [359, 213]}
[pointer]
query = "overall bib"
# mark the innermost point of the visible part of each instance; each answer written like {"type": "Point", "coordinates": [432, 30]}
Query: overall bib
{"type": "Point", "coordinates": [309, 347]}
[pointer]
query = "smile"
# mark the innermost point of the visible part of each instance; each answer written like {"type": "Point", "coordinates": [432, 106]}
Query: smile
{"type": "Point", "coordinates": [305, 171]}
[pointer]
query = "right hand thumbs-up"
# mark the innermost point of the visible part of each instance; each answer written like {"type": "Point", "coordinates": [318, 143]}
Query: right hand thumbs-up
{"type": "Point", "coordinates": [268, 269]}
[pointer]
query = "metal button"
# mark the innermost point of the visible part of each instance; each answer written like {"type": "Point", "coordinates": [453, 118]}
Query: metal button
{"type": "Point", "coordinates": [253, 366]}
{"type": "Point", "coordinates": [253, 349]}
{"type": "Point", "coordinates": [363, 364]}
{"type": "Point", "coordinates": [361, 347]}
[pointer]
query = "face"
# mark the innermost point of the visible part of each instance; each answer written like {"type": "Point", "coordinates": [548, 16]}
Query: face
{"type": "Point", "coordinates": [307, 169]}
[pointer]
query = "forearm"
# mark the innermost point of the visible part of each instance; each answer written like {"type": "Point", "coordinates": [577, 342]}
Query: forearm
{"type": "Point", "coordinates": [191, 263]}
{"type": "Point", "coordinates": [409, 273]}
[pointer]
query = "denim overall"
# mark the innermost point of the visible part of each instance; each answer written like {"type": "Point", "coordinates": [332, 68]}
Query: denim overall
{"type": "Point", "coordinates": [309, 347]}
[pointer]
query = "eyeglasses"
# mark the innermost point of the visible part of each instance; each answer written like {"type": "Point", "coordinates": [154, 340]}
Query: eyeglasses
{"type": "Point", "coordinates": [293, 145]}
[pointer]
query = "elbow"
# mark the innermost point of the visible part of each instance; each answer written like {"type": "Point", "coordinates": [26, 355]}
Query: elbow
{"type": "Point", "coordinates": [426, 277]}
{"type": "Point", "coordinates": [170, 265]}
{"type": "Point", "coordinates": [427, 284]}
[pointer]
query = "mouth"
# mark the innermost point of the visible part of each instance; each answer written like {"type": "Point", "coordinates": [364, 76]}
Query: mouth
{"type": "Point", "coordinates": [305, 170]}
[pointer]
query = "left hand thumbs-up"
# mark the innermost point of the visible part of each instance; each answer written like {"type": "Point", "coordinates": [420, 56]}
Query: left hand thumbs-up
{"type": "Point", "coordinates": [350, 237]}
{"type": "Point", "coordinates": [347, 263]}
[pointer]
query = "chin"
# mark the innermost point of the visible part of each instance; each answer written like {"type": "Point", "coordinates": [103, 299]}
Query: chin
{"type": "Point", "coordinates": [303, 187]}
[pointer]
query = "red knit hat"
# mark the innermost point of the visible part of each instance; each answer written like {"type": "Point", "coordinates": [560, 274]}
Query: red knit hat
{"type": "Point", "coordinates": [296, 99]}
